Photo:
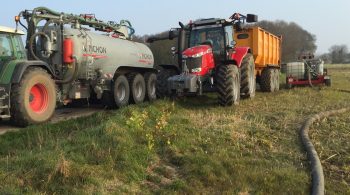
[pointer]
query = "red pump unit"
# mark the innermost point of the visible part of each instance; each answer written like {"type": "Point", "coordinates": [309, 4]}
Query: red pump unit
{"type": "Point", "coordinates": [68, 51]}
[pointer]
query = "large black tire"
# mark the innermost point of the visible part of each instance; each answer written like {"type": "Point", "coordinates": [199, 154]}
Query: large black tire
{"type": "Point", "coordinates": [228, 85]}
{"type": "Point", "coordinates": [277, 79]}
{"type": "Point", "coordinates": [248, 79]}
{"type": "Point", "coordinates": [137, 88]}
{"type": "Point", "coordinates": [151, 81]}
{"type": "Point", "coordinates": [162, 82]}
{"type": "Point", "coordinates": [267, 81]}
{"type": "Point", "coordinates": [328, 82]}
{"type": "Point", "coordinates": [121, 91]}
{"type": "Point", "coordinates": [33, 99]}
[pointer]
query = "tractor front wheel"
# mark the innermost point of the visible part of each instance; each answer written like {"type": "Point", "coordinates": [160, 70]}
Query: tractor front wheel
{"type": "Point", "coordinates": [162, 82]}
{"type": "Point", "coordinates": [228, 85]}
{"type": "Point", "coordinates": [33, 99]}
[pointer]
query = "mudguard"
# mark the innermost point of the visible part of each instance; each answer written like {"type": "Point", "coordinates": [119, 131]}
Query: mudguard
{"type": "Point", "coordinates": [22, 66]}
{"type": "Point", "coordinates": [239, 54]}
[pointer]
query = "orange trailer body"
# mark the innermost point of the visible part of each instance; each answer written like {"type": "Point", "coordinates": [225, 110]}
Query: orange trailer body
{"type": "Point", "coordinates": [266, 47]}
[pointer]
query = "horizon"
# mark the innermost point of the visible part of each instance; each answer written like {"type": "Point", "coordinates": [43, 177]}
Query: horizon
{"type": "Point", "coordinates": [156, 16]}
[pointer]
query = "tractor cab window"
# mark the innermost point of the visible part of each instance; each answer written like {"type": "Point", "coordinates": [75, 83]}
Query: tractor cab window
{"type": "Point", "coordinates": [213, 36]}
{"type": "Point", "coordinates": [20, 51]}
{"type": "Point", "coordinates": [5, 46]}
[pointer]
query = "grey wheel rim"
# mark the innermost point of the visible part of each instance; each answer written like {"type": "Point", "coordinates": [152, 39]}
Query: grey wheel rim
{"type": "Point", "coordinates": [121, 91]}
{"type": "Point", "coordinates": [138, 90]}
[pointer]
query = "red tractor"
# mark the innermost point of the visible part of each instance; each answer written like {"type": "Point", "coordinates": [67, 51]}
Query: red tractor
{"type": "Point", "coordinates": [209, 61]}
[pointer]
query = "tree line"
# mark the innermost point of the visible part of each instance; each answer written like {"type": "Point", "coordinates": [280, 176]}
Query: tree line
{"type": "Point", "coordinates": [296, 41]}
{"type": "Point", "coordinates": [337, 54]}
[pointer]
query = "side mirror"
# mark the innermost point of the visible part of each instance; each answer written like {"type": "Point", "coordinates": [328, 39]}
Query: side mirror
{"type": "Point", "coordinates": [251, 18]}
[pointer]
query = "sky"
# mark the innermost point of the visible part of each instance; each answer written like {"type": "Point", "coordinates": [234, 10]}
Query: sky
{"type": "Point", "coordinates": [327, 19]}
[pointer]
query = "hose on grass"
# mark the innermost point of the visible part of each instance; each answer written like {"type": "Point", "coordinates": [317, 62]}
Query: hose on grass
{"type": "Point", "coordinates": [318, 187]}
{"type": "Point", "coordinates": [343, 90]}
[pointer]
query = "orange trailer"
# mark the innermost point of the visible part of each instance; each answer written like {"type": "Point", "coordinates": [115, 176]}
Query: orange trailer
{"type": "Point", "coordinates": [266, 47]}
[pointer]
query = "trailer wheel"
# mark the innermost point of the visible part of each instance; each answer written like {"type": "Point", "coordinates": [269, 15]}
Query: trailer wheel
{"type": "Point", "coordinates": [228, 85]}
{"type": "Point", "coordinates": [137, 88]}
{"type": "Point", "coordinates": [121, 91]}
{"type": "Point", "coordinates": [248, 79]}
{"type": "Point", "coordinates": [33, 99]}
{"type": "Point", "coordinates": [162, 82]}
{"type": "Point", "coordinates": [277, 79]}
{"type": "Point", "coordinates": [328, 82]}
{"type": "Point", "coordinates": [267, 81]}
{"type": "Point", "coordinates": [151, 81]}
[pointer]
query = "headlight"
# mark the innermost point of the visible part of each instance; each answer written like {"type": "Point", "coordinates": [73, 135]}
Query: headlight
{"type": "Point", "coordinates": [195, 70]}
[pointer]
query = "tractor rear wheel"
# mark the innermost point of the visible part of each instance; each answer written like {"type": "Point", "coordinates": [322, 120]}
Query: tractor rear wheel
{"type": "Point", "coordinates": [162, 82]}
{"type": "Point", "coordinates": [121, 91]}
{"type": "Point", "coordinates": [267, 81]}
{"type": "Point", "coordinates": [151, 81]}
{"type": "Point", "coordinates": [248, 79]}
{"type": "Point", "coordinates": [137, 88]}
{"type": "Point", "coordinates": [33, 99]}
{"type": "Point", "coordinates": [228, 85]}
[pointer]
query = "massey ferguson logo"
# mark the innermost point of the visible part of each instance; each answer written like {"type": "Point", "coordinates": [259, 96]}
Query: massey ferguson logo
{"type": "Point", "coordinates": [95, 49]}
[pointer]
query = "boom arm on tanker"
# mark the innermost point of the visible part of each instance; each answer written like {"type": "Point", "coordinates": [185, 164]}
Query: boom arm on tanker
{"type": "Point", "coordinates": [68, 61]}
{"type": "Point", "coordinates": [209, 61]}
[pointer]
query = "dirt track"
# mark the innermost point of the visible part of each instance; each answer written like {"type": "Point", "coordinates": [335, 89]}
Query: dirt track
{"type": "Point", "coordinates": [60, 115]}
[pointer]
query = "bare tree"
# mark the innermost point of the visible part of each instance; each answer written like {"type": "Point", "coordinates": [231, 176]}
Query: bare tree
{"type": "Point", "coordinates": [339, 54]}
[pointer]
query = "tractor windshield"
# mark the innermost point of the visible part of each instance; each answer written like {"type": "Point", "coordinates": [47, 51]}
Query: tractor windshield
{"type": "Point", "coordinates": [213, 36]}
{"type": "Point", "coordinates": [11, 47]}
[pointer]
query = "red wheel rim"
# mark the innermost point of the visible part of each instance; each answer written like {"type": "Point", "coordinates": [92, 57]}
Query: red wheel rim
{"type": "Point", "coordinates": [38, 98]}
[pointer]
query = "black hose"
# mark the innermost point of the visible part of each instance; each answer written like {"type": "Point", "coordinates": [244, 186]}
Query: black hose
{"type": "Point", "coordinates": [31, 46]}
{"type": "Point", "coordinates": [316, 166]}
{"type": "Point", "coordinates": [73, 77]}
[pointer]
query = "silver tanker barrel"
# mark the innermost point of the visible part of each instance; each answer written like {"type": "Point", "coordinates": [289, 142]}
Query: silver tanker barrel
{"type": "Point", "coordinates": [106, 53]}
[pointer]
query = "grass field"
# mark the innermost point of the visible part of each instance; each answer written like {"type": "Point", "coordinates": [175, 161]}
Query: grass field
{"type": "Point", "coordinates": [190, 146]}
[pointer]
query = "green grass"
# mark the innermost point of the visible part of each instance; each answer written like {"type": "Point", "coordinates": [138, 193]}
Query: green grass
{"type": "Point", "coordinates": [190, 146]}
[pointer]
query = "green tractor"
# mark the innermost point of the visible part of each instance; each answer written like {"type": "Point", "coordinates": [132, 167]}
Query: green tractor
{"type": "Point", "coordinates": [13, 65]}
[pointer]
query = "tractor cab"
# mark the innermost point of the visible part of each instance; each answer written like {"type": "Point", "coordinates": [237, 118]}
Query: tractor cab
{"type": "Point", "coordinates": [210, 42]}
{"type": "Point", "coordinates": [11, 45]}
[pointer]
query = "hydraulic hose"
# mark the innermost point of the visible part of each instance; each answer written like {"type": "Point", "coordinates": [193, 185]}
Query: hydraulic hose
{"type": "Point", "coordinates": [316, 166]}
{"type": "Point", "coordinates": [73, 77]}
{"type": "Point", "coordinates": [31, 41]}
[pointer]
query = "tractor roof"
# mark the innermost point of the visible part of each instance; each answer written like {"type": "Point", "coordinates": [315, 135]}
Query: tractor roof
{"type": "Point", "coordinates": [209, 21]}
{"type": "Point", "coordinates": [4, 29]}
